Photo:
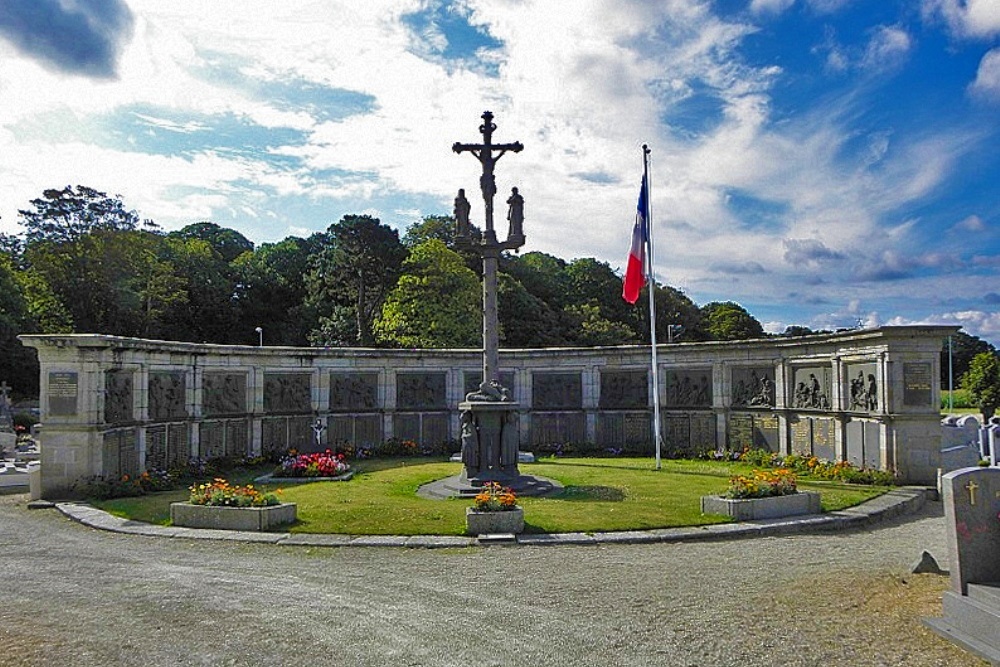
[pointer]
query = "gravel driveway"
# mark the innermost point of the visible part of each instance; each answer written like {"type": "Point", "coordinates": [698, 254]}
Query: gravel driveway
{"type": "Point", "coordinates": [72, 595]}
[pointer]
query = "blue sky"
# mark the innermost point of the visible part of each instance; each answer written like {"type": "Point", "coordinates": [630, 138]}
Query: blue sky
{"type": "Point", "coordinates": [827, 163]}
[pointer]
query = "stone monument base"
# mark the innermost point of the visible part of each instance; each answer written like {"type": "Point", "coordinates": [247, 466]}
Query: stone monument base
{"type": "Point", "coordinates": [460, 487]}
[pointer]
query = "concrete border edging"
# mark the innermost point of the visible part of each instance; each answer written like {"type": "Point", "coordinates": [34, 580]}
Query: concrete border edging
{"type": "Point", "coordinates": [898, 502]}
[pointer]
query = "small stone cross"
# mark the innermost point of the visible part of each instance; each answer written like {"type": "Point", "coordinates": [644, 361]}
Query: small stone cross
{"type": "Point", "coordinates": [5, 390]}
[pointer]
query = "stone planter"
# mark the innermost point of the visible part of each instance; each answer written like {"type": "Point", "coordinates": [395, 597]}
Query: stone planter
{"type": "Point", "coordinates": [750, 509]}
{"type": "Point", "coordinates": [492, 523]}
{"type": "Point", "coordinates": [232, 518]}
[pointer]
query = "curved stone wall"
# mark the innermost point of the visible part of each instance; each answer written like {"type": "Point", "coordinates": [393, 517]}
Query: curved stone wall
{"type": "Point", "coordinates": [113, 405]}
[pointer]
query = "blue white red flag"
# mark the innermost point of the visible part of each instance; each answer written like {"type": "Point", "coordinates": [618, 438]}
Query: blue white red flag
{"type": "Point", "coordinates": [635, 270]}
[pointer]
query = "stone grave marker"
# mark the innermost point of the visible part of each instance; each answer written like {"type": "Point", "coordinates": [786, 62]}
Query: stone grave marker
{"type": "Point", "coordinates": [972, 521]}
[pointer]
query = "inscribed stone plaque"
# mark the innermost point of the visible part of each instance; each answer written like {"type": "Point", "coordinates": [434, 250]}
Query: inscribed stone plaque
{"type": "Point", "coordinates": [224, 394]}
{"type": "Point", "coordinates": [287, 392]}
{"type": "Point", "coordinates": [624, 390]}
{"type": "Point", "coordinates": [753, 387]}
{"type": "Point", "coordinates": [212, 440]}
{"type": "Point", "coordinates": [556, 391]}
{"type": "Point", "coordinates": [856, 442]}
{"type": "Point", "coordinates": [971, 506]}
{"type": "Point", "coordinates": [166, 396]}
{"type": "Point", "coordinates": [156, 448]}
{"type": "Point", "coordinates": [421, 391]}
{"type": "Point", "coordinates": [703, 432]}
{"type": "Point", "coordinates": [560, 428]}
{"type": "Point", "coordinates": [812, 387]}
{"type": "Point", "coordinates": [406, 427]}
{"type": "Point", "coordinates": [916, 384]}
{"type": "Point", "coordinates": [433, 429]}
{"type": "Point", "coordinates": [621, 429]}
{"type": "Point", "coordinates": [800, 430]}
{"type": "Point", "coordinates": [873, 445]}
{"type": "Point", "coordinates": [862, 388]}
{"type": "Point", "coordinates": [677, 432]}
{"type": "Point", "coordinates": [688, 387]}
{"type": "Point", "coordinates": [63, 390]}
{"type": "Point", "coordinates": [301, 435]}
{"type": "Point", "coordinates": [765, 432]}
{"type": "Point", "coordinates": [740, 431]}
{"type": "Point", "coordinates": [274, 436]}
{"type": "Point", "coordinates": [358, 430]}
{"type": "Point", "coordinates": [237, 437]}
{"type": "Point", "coordinates": [824, 439]}
{"type": "Point", "coordinates": [117, 396]}
{"type": "Point", "coordinates": [353, 392]}
{"type": "Point", "coordinates": [472, 379]}
{"type": "Point", "coordinates": [121, 454]}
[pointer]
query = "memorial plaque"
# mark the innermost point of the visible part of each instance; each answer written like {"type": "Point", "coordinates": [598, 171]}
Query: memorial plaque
{"type": "Point", "coordinates": [237, 437]}
{"type": "Point", "coordinates": [167, 396]}
{"type": "Point", "coordinates": [121, 453]}
{"type": "Point", "coordinates": [211, 440]}
{"type": "Point", "coordinates": [360, 431]}
{"type": "Point", "coordinates": [740, 429]}
{"type": "Point", "coordinates": [856, 442]}
{"type": "Point", "coordinates": [624, 390]}
{"type": "Point", "coordinates": [753, 387]}
{"type": "Point", "coordinates": [274, 437]}
{"type": "Point", "coordinates": [301, 435]}
{"type": "Point", "coordinates": [556, 391]}
{"type": "Point", "coordinates": [824, 439]}
{"type": "Point", "coordinates": [421, 391]}
{"type": "Point", "coordinates": [472, 379]}
{"type": "Point", "coordinates": [873, 445]}
{"type": "Point", "coordinates": [406, 427]}
{"type": "Point", "coordinates": [224, 394]}
{"type": "Point", "coordinates": [156, 448]}
{"type": "Point", "coordinates": [353, 392]}
{"type": "Point", "coordinates": [688, 387]}
{"type": "Point", "coordinates": [971, 506]}
{"type": "Point", "coordinates": [811, 388]}
{"type": "Point", "coordinates": [677, 432]}
{"type": "Point", "coordinates": [63, 391]}
{"type": "Point", "coordinates": [800, 429]}
{"type": "Point", "coordinates": [917, 384]}
{"type": "Point", "coordinates": [287, 393]}
{"type": "Point", "coordinates": [703, 432]}
{"type": "Point", "coordinates": [118, 396]}
{"type": "Point", "coordinates": [433, 429]}
{"type": "Point", "coordinates": [560, 428]}
{"type": "Point", "coordinates": [765, 432]}
{"type": "Point", "coordinates": [861, 391]}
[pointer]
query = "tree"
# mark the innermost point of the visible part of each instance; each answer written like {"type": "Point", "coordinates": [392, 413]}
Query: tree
{"type": "Point", "coordinates": [982, 381]}
{"type": "Point", "coordinates": [271, 291]}
{"type": "Point", "coordinates": [435, 304]}
{"type": "Point", "coordinates": [229, 243]}
{"type": "Point", "coordinates": [66, 215]}
{"type": "Point", "coordinates": [355, 270]}
{"type": "Point", "coordinates": [729, 321]}
{"type": "Point", "coordinates": [526, 320]}
{"type": "Point", "coordinates": [18, 364]}
{"type": "Point", "coordinates": [593, 329]}
{"type": "Point", "coordinates": [964, 347]}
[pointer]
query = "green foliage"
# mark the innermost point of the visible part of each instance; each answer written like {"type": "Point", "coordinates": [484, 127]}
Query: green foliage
{"type": "Point", "coordinates": [964, 348]}
{"type": "Point", "coordinates": [355, 269]}
{"type": "Point", "coordinates": [982, 381]}
{"type": "Point", "coordinates": [435, 304]}
{"type": "Point", "coordinates": [228, 243]}
{"type": "Point", "coordinates": [960, 400]}
{"type": "Point", "coordinates": [842, 471]}
{"type": "Point", "coordinates": [729, 321]}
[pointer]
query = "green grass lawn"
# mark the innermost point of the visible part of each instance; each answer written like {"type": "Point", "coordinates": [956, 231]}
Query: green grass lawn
{"type": "Point", "coordinates": [599, 495]}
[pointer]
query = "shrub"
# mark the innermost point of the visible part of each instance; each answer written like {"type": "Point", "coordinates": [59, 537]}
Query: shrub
{"type": "Point", "coordinates": [105, 488]}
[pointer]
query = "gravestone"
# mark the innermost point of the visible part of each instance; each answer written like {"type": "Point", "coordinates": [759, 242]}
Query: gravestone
{"type": "Point", "coordinates": [972, 606]}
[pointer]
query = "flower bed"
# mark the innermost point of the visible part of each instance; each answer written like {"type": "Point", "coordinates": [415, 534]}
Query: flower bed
{"type": "Point", "coordinates": [318, 464]}
{"type": "Point", "coordinates": [494, 511]}
{"type": "Point", "coordinates": [220, 505]}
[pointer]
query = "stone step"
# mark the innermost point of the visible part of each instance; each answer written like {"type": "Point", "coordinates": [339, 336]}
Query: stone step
{"type": "Point", "coordinates": [972, 617]}
{"type": "Point", "coordinates": [947, 630]}
{"type": "Point", "coordinates": [988, 594]}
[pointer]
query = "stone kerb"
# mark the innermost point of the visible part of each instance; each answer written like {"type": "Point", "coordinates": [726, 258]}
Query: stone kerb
{"type": "Point", "coordinates": [972, 505]}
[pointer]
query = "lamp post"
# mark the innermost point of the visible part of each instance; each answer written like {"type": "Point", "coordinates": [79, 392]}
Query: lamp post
{"type": "Point", "coordinates": [260, 336]}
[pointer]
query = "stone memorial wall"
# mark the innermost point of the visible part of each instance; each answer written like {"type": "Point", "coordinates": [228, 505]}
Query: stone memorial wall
{"type": "Point", "coordinates": [115, 405]}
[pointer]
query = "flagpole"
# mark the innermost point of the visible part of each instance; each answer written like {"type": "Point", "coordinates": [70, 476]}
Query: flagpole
{"type": "Point", "coordinates": [652, 307]}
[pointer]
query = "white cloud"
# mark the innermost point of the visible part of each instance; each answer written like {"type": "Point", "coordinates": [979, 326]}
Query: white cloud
{"type": "Point", "coordinates": [770, 6]}
{"type": "Point", "coordinates": [887, 49]}
{"type": "Point", "coordinates": [973, 224]}
{"type": "Point", "coordinates": [987, 81]}
{"type": "Point", "coordinates": [966, 18]}
{"type": "Point", "coordinates": [976, 322]}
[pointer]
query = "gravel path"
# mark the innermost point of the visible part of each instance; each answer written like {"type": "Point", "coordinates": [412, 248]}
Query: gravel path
{"type": "Point", "coordinates": [74, 595]}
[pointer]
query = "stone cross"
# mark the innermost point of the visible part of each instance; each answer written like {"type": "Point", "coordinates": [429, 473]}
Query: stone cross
{"type": "Point", "coordinates": [484, 152]}
{"type": "Point", "coordinates": [318, 427]}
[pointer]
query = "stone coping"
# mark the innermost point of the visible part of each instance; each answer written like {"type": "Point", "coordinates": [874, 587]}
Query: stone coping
{"type": "Point", "coordinates": [900, 501]}
{"type": "Point", "coordinates": [271, 479]}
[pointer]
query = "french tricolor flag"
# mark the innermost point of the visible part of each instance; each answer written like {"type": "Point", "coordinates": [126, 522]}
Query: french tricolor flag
{"type": "Point", "coordinates": [635, 271]}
